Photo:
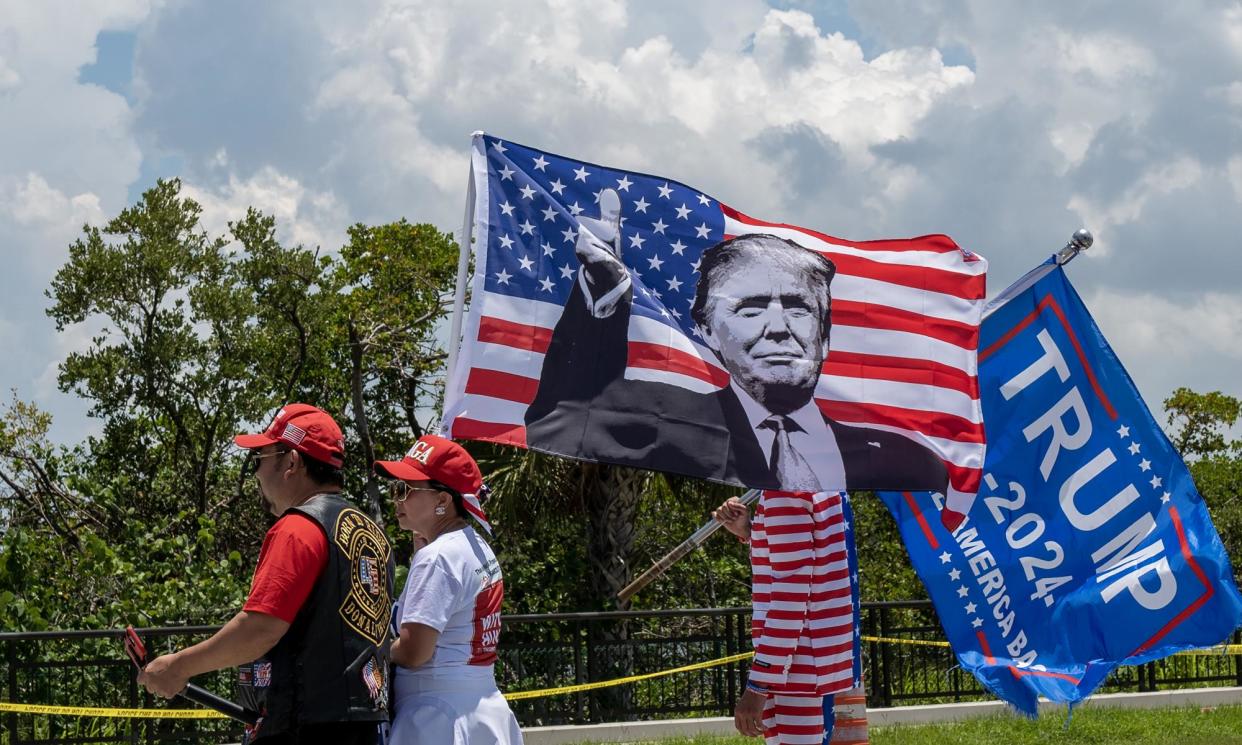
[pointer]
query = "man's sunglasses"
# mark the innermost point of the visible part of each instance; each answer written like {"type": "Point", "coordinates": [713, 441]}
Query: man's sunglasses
{"type": "Point", "coordinates": [252, 465]}
{"type": "Point", "coordinates": [401, 491]}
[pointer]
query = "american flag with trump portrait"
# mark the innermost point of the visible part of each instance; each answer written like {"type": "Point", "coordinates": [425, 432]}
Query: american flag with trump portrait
{"type": "Point", "coordinates": [625, 318]}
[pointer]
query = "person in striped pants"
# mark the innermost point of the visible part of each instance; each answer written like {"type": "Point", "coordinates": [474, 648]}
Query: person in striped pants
{"type": "Point", "coordinates": [804, 623]}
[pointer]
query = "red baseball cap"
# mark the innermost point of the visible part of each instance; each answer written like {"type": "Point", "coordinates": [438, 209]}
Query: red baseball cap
{"type": "Point", "coordinates": [308, 429]}
{"type": "Point", "coordinates": [434, 458]}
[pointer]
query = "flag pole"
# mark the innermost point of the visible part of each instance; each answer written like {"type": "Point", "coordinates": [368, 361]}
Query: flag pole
{"type": "Point", "coordinates": [1079, 242]}
{"type": "Point", "coordinates": [672, 557]}
{"type": "Point", "coordinates": [464, 240]}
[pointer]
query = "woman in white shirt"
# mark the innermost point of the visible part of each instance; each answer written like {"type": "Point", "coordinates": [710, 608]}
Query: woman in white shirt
{"type": "Point", "coordinates": [444, 690]}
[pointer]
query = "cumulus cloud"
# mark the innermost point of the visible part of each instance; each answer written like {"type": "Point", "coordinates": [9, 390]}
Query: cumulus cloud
{"type": "Point", "coordinates": [303, 216]}
{"type": "Point", "coordinates": [69, 156]}
{"type": "Point", "coordinates": [394, 92]}
{"type": "Point", "coordinates": [34, 202]}
{"type": "Point", "coordinates": [1148, 331]}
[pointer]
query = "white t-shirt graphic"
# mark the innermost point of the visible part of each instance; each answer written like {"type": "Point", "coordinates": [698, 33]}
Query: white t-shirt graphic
{"type": "Point", "coordinates": [455, 586]}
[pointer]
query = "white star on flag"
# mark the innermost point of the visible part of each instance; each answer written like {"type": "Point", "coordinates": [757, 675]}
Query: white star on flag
{"type": "Point", "coordinates": [658, 226]}
{"type": "Point", "coordinates": [674, 285]}
{"type": "Point", "coordinates": [547, 249]}
{"type": "Point", "coordinates": [549, 214]}
{"type": "Point", "coordinates": [1123, 431]}
{"type": "Point", "coordinates": [655, 263]}
{"type": "Point", "coordinates": [1145, 464]}
{"type": "Point", "coordinates": [507, 173]}
{"type": "Point", "coordinates": [624, 183]}
{"type": "Point", "coordinates": [503, 277]}
{"type": "Point", "coordinates": [527, 192]}
{"type": "Point", "coordinates": [545, 284]}
{"type": "Point", "coordinates": [678, 247]}
{"type": "Point", "coordinates": [664, 191]}
{"type": "Point", "coordinates": [1156, 481]}
{"type": "Point", "coordinates": [567, 272]}
{"type": "Point", "coordinates": [581, 173]}
{"type": "Point", "coordinates": [962, 591]}
{"type": "Point", "coordinates": [526, 263]}
{"type": "Point", "coordinates": [945, 558]}
{"type": "Point", "coordinates": [683, 211]}
{"type": "Point", "coordinates": [636, 241]}
{"type": "Point", "coordinates": [506, 209]}
{"type": "Point", "coordinates": [527, 228]}
{"type": "Point", "coordinates": [641, 205]}
{"type": "Point", "coordinates": [540, 163]}
{"type": "Point", "coordinates": [557, 186]}
{"type": "Point", "coordinates": [702, 231]}
{"type": "Point", "coordinates": [506, 241]}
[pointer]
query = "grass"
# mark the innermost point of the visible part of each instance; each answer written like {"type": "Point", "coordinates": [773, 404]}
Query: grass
{"type": "Point", "coordinates": [1089, 726]}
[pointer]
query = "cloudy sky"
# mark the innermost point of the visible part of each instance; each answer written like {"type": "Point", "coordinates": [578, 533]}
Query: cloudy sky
{"type": "Point", "coordinates": [1005, 124]}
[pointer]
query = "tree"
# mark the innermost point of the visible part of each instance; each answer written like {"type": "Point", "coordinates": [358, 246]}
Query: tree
{"type": "Point", "coordinates": [390, 291]}
{"type": "Point", "coordinates": [1199, 424]}
{"type": "Point", "coordinates": [167, 370]}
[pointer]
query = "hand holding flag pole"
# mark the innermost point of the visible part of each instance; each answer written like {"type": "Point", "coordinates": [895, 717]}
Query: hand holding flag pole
{"type": "Point", "coordinates": [672, 557]}
{"type": "Point", "coordinates": [137, 652]}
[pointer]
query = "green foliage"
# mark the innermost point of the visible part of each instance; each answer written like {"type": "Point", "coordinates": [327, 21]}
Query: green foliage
{"type": "Point", "coordinates": [884, 568]}
{"type": "Point", "coordinates": [1090, 725]}
{"type": "Point", "coordinates": [1199, 425]}
{"type": "Point", "coordinates": [163, 370]}
{"type": "Point", "coordinates": [1198, 421]}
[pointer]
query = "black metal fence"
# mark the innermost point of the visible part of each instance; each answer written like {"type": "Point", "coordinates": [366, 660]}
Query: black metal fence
{"type": "Point", "coordinates": [89, 669]}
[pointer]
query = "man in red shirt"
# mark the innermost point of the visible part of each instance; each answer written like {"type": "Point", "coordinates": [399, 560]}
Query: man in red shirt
{"type": "Point", "coordinates": [320, 598]}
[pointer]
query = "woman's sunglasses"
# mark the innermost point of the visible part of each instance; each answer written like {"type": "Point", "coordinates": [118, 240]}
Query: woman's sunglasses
{"type": "Point", "coordinates": [400, 490]}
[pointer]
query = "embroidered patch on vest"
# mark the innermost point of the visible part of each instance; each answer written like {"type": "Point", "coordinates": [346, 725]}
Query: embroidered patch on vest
{"type": "Point", "coordinates": [366, 607]}
{"type": "Point", "coordinates": [374, 678]}
{"type": "Point", "coordinates": [262, 674]}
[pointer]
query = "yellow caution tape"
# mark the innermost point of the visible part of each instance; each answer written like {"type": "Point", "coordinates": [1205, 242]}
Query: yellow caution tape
{"type": "Point", "coordinates": [86, 711]}
{"type": "Point", "coordinates": [519, 695]}
{"type": "Point", "coordinates": [912, 642]}
{"type": "Point", "coordinates": [1217, 650]}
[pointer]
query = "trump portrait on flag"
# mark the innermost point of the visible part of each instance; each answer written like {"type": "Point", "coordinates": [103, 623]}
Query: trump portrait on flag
{"type": "Point", "coordinates": [763, 307]}
{"type": "Point", "coordinates": [624, 318]}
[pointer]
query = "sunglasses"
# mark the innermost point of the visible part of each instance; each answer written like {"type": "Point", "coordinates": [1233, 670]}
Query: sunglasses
{"type": "Point", "coordinates": [252, 465]}
{"type": "Point", "coordinates": [401, 491]}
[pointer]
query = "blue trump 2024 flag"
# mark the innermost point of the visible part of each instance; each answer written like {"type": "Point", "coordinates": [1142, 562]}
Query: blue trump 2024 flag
{"type": "Point", "coordinates": [1089, 546]}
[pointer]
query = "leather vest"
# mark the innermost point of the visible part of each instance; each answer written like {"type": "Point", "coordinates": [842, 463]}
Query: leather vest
{"type": "Point", "coordinates": [304, 678]}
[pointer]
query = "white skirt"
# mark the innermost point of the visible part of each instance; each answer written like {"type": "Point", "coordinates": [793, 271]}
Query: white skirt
{"type": "Point", "coordinates": [434, 710]}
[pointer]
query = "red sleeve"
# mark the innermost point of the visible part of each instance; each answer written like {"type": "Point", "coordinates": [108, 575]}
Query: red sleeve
{"type": "Point", "coordinates": [294, 553]}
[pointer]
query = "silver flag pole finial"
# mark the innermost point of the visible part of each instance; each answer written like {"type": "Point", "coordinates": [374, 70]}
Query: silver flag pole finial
{"type": "Point", "coordinates": [1079, 242]}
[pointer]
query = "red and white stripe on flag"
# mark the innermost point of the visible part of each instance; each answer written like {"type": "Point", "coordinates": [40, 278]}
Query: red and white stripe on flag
{"type": "Point", "coordinates": [902, 356]}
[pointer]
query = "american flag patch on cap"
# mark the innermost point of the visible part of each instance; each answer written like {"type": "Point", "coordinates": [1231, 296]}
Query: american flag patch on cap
{"type": "Point", "coordinates": [293, 434]}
